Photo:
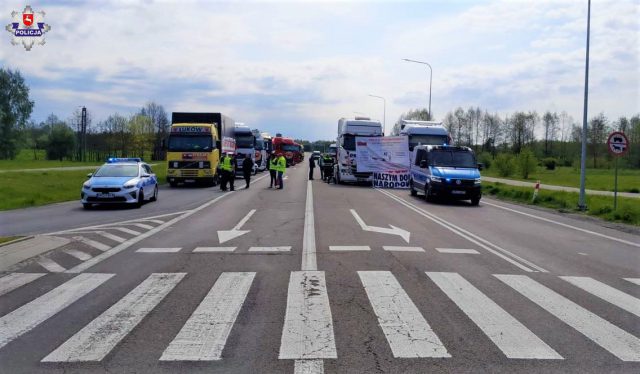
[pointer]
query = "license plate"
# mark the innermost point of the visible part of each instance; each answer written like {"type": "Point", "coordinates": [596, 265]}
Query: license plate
{"type": "Point", "coordinates": [189, 180]}
{"type": "Point", "coordinates": [103, 195]}
{"type": "Point", "coordinates": [458, 192]}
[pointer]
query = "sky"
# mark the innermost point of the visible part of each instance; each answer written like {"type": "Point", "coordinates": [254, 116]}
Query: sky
{"type": "Point", "coordinates": [297, 67]}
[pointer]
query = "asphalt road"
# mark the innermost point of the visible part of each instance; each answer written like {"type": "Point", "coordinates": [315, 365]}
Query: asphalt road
{"type": "Point", "coordinates": [313, 278]}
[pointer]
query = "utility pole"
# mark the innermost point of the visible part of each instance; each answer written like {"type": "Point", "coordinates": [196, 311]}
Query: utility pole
{"type": "Point", "coordinates": [582, 204]}
{"type": "Point", "coordinates": [84, 134]}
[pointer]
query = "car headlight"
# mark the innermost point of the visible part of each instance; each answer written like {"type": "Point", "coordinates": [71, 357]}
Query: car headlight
{"type": "Point", "coordinates": [129, 184]}
{"type": "Point", "coordinates": [86, 185]}
{"type": "Point", "coordinates": [436, 179]}
{"type": "Point", "coordinates": [477, 181]}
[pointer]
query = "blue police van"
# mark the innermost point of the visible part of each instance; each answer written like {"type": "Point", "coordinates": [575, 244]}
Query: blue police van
{"type": "Point", "coordinates": [445, 171]}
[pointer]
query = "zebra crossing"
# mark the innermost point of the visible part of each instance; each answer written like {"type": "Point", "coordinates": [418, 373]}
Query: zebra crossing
{"type": "Point", "coordinates": [307, 326]}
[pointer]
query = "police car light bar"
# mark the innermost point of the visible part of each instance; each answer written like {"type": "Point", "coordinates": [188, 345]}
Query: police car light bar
{"type": "Point", "coordinates": [112, 160]}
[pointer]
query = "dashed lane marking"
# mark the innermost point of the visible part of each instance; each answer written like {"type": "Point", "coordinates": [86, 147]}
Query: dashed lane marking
{"type": "Point", "coordinates": [39, 310]}
{"type": "Point", "coordinates": [402, 249]}
{"type": "Point", "coordinates": [12, 281]}
{"type": "Point", "coordinates": [101, 335]}
{"type": "Point", "coordinates": [215, 249]}
{"type": "Point", "coordinates": [205, 333]}
{"type": "Point", "coordinates": [82, 256]}
{"type": "Point", "coordinates": [159, 250]}
{"type": "Point", "coordinates": [50, 265]}
{"type": "Point", "coordinates": [458, 251]}
{"type": "Point", "coordinates": [270, 249]}
{"type": "Point", "coordinates": [344, 248]}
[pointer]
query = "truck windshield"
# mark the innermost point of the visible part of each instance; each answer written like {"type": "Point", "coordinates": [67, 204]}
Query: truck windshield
{"type": "Point", "coordinates": [458, 159]}
{"type": "Point", "coordinates": [259, 145]}
{"type": "Point", "coordinates": [427, 140]}
{"type": "Point", "coordinates": [349, 143]}
{"type": "Point", "coordinates": [244, 141]}
{"type": "Point", "coordinates": [290, 148]}
{"type": "Point", "coordinates": [182, 143]}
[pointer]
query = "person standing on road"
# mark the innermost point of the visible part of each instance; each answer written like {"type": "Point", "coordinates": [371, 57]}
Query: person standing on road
{"type": "Point", "coordinates": [247, 168]}
{"type": "Point", "coordinates": [282, 166]}
{"type": "Point", "coordinates": [225, 168]}
{"type": "Point", "coordinates": [312, 165]}
{"type": "Point", "coordinates": [272, 162]}
{"type": "Point", "coordinates": [321, 166]}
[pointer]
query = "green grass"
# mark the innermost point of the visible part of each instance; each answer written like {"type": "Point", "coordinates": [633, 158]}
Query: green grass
{"type": "Point", "coordinates": [598, 206]}
{"type": "Point", "coordinates": [22, 190]}
{"type": "Point", "coordinates": [5, 239]}
{"type": "Point", "coordinates": [24, 160]}
{"type": "Point", "coordinates": [596, 179]}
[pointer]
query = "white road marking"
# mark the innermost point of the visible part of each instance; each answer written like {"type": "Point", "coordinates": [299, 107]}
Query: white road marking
{"type": "Point", "coordinates": [121, 247]}
{"type": "Point", "coordinates": [308, 327]}
{"type": "Point", "coordinates": [12, 281]}
{"type": "Point", "coordinates": [92, 243]}
{"type": "Point", "coordinates": [610, 337]}
{"type": "Point", "coordinates": [142, 225]}
{"type": "Point", "coordinates": [111, 236]}
{"type": "Point", "coordinates": [128, 231]}
{"type": "Point", "coordinates": [50, 265]}
{"type": "Point", "coordinates": [583, 254]}
{"type": "Point", "coordinates": [607, 293]}
{"type": "Point", "coordinates": [112, 225]}
{"type": "Point", "coordinates": [101, 335]}
{"type": "Point", "coordinates": [30, 315]}
{"type": "Point", "coordinates": [270, 249]}
{"type": "Point", "coordinates": [349, 248]}
{"type": "Point", "coordinates": [402, 249]}
{"type": "Point", "coordinates": [205, 333]}
{"type": "Point", "coordinates": [153, 220]}
{"type": "Point", "coordinates": [457, 250]}
{"type": "Point", "coordinates": [308, 367]}
{"type": "Point", "coordinates": [511, 336]}
{"type": "Point", "coordinates": [215, 249]}
{"type": "Point", "coordinates": [82, 256]}
{"type": "Point", "coordinates": [564, 224]}
{"type": "Point", "coordinates": [404, 234]}
{"type": "Point", "coordinates": [406, 330]}
{"type": "Point", "coordinates": [309, 235]}
{"type": "Point", "coordinates": [159, 250]}
{"type": "Point", "coordinates": [226, 235]}
{"type": "Point", "coordinates": [633, 280]}
{"type": "Point", "coordinates": [473, 238]}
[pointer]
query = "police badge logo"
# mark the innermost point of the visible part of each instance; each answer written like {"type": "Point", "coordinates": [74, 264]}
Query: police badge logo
{"type": "Point", "coordinates": [28, 28]}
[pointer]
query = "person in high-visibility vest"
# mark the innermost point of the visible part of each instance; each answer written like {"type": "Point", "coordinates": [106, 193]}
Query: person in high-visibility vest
{"type": "Point", "coordinates": [273, 169]}
{"type": "Point", "coordinates": [227, 167]}
{"type": "Point", "coordinates": [282, 166]}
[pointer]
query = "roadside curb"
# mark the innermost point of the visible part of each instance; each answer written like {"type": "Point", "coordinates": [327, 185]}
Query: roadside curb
{"type": "Point", "coordinates": [16, 241]}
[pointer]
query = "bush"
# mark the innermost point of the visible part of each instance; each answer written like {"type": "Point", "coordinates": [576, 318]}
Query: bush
{"type": "Point", "coordinates": [505, 164]}
{"type": "Point", "coordinates": [550, 163]}
{"type": "Point", "coordinates": [486, 159]}
{"type": "Point", "coordinates": [527, 163]}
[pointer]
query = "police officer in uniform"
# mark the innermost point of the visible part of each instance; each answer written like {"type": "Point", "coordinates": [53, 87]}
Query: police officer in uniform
{"type": "Point", "coordinates": [227, 167]}
{"type": "Point", "coordinates": [312, 166]}
{"type": "Point", "coordinates": [273, 168]}
{"type": "Point", "coordinates": [282, 166]}
{"type": "Point", "coordinates": [247, 168]}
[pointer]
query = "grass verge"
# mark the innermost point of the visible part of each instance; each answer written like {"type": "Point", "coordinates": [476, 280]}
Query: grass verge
{"type": "Point", "coordinates": [596, 179]}
{"type": "Point", "coordinates": [22, 190]}
{"type": "Point", "coordinates": [5, 239]}
{"type": "Point", "coordinates": [598, 206]}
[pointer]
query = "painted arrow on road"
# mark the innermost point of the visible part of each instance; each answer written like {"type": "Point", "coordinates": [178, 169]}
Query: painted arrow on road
{"type": "Point", "coordinates": [226, 235]}
{"type": "Point", "coordinates": [383, 230]}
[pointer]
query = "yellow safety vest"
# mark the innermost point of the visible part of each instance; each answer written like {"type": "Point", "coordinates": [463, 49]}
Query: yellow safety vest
{"type": "Point", "coordinates": [273, 164]}
{"type": "Point", "coordinates": [226, 164]}
{"type": "Point", "coordinates": [282, 164]}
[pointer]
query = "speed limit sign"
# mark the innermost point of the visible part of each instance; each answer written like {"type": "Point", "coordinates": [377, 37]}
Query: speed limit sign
{"type": "Point", "coordinates": [617, 143]}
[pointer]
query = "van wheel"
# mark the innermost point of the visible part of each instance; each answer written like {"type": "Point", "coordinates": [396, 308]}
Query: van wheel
{"type": "Point", "coordinates": [427, 193]}
{"type": "Point", "coordinates": [475, 201]}
{"type": "Point", "coordinates": [411, 189]}
{"type": "Point", "coordinates": [87, 206]}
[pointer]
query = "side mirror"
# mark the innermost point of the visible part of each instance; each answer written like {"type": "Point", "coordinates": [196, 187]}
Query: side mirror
{"type": "Point", "coordinates": [89, 175]}
{"type": "Point", "coordinates": [423, 164]}
{"type": "Point", "coordinates": [480, 166]}
{"type": "Point", "coordinates": [145, 175]}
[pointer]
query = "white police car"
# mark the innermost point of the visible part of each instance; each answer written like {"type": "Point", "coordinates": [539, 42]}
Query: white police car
{"type": "Point", "coordinates": [120, 180]}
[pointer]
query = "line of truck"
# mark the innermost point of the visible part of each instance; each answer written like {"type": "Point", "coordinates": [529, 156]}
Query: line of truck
{"type": "Point", "coordinates": [197, 140]}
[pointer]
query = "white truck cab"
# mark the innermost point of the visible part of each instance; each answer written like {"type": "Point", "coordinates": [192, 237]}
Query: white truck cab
{"type": "Point", "coordinates": [346, 168]}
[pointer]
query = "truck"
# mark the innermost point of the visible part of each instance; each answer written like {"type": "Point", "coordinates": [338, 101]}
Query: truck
{"type": "Point", "coordinates": [445, 171]}
{"type": "Point", "coordinates": [346, 168]}
{"type": "Point", "coordinates": [423, 132]}
{"type": "Point", "coordinates": [193, 147]}
{"type": "Point", "coordinates": [245, 146]}
{"type": "Point", "coordinates": [268, 142]}
{"type": "Point", "coordinates": [261, 151]}
{"type": "Point", "coordinates": [287, 147]}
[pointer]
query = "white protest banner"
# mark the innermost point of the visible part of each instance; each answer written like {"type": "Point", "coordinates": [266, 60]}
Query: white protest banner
{"type": "Point", "coordinates": [386, 157]}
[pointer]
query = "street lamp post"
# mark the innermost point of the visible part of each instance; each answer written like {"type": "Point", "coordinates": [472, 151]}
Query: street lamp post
{"type": "Point", "coordinates": [384, 111]}
{"type": "Point", "coordinates": [430, 79]}
{"type": "Point", "coordinates": [582, 205]}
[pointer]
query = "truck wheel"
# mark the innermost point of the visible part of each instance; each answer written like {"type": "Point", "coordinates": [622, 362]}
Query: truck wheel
{"type": "Point", "coordinates": [411, 189]}
{"type": "Point", "coordinates": [338, 180]}
{"type": "Point", "coordinates": [216, 180]}
{"type": "Point", "coordinates": [173, 184]}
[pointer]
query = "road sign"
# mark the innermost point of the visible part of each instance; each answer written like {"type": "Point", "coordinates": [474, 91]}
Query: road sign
{"type": "Point", "coordinates": [617, 143]}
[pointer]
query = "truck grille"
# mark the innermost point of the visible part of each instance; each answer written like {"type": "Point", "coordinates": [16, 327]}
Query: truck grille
{"type": "Point", "coordinates": [189, 173]}
{"type": "Point", "coordinates": [189, 164]}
